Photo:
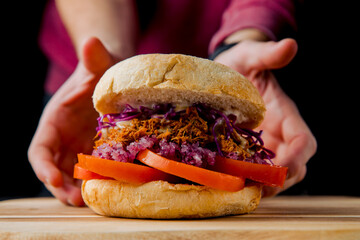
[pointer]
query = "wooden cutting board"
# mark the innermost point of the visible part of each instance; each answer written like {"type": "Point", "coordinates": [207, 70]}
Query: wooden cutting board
{"type": "Point", "coordinates": [276, 218]}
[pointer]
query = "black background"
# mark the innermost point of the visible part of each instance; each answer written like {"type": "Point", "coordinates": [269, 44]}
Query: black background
{"type": "Point", "coordinates": [325, 93]}
{"type": "Point", "coordinates": [23, 70]}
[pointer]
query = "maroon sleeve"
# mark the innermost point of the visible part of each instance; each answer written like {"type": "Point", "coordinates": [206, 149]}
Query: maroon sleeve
{"type": "Point", "coordinates": [271, 17]}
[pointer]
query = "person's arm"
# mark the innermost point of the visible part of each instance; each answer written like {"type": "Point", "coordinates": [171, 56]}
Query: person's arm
{"type": "Point", "coordinates": [114, 22]}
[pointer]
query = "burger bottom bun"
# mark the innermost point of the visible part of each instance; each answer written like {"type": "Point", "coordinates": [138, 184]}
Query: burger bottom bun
{"type": "Point", "coordinates": [163, 200]}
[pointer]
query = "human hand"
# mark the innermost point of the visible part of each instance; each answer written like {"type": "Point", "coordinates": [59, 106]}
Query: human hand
{"type": "Point", "coordinates": [285, 132]}
{"type": "Point", "coordinates": [67, 126]}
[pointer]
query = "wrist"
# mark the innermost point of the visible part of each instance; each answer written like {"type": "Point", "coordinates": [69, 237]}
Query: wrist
{"type": "Point", "coordinates": [246, 34]}
{"type": "Point", "coordinates": [221, 48]}
{"type": "Point", "coordinates": [232, 40]}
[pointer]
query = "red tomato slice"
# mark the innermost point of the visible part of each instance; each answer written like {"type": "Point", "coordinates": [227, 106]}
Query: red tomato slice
{"type": "Point", "coordinates": [84, 174]}
{"type": "Point", "coordinates": [269, 175]}
{"type": "Point", "coordinates": [202, 176]}
{"type": "Point", "coordinates": [126, 172]}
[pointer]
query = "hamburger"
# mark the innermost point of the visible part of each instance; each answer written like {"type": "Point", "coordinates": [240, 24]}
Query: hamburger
{"type": "Point", "coordinates": [175, 139]}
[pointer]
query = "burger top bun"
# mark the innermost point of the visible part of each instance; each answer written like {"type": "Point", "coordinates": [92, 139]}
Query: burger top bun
{"type": "Point", "coordinates": [181, 80]}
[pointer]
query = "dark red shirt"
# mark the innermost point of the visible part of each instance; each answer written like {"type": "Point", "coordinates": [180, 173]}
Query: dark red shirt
{"type": "Point", "coordinates": [178, 26]}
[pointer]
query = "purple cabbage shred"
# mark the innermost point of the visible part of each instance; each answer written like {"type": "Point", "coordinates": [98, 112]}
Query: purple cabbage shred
{"type": "Point", "coordinates": [187, 153]}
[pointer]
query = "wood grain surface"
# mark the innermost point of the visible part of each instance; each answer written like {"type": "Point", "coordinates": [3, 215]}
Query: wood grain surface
{"type": "Point", "coordinates": [296, 217]}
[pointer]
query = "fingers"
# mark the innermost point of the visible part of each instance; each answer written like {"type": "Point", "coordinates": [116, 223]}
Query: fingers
{"type": "Point", "coordinates": [69, 193]}
{"type": "Point", "coordinates": [289, 135]}
{"type": "Point", "coordinates": [298, 151]}
{"type": "Point", "coordinates": [41, 157]}
{"type": "Point", "coordinates": [60, 184]}
{"type": "Point", "coordinates": [45, 169]}
{"type": "Point", "coordinates": [272, 191]}
{"type": "Point", "coordinates": [300, 142]}
{"type": "Point", "coordinates": [95, 56]}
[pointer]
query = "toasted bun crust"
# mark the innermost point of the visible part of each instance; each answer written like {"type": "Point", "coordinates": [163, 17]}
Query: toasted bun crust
{"type": "Point", "coordinates": [181, 80]}
{"type": "Point", "coordinates": [162, 200]}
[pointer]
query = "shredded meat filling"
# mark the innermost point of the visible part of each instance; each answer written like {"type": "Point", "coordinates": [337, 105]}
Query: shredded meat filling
{"type": "Point", "coordinates": [189, 128]}
{"type": "Point", "coordinates": [229, 146]}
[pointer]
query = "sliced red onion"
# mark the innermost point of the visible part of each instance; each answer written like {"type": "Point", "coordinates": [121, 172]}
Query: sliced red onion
{"type": "Point", "coordinates": [187, 153]}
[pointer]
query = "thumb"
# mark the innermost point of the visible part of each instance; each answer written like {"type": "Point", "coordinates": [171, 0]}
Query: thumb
{"type": "Point", "coordinates": [249, 56]}
{"type": "Point", "coordinates": [95, 56]}
{"type": "Point", "coordinates": [276, 55]}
